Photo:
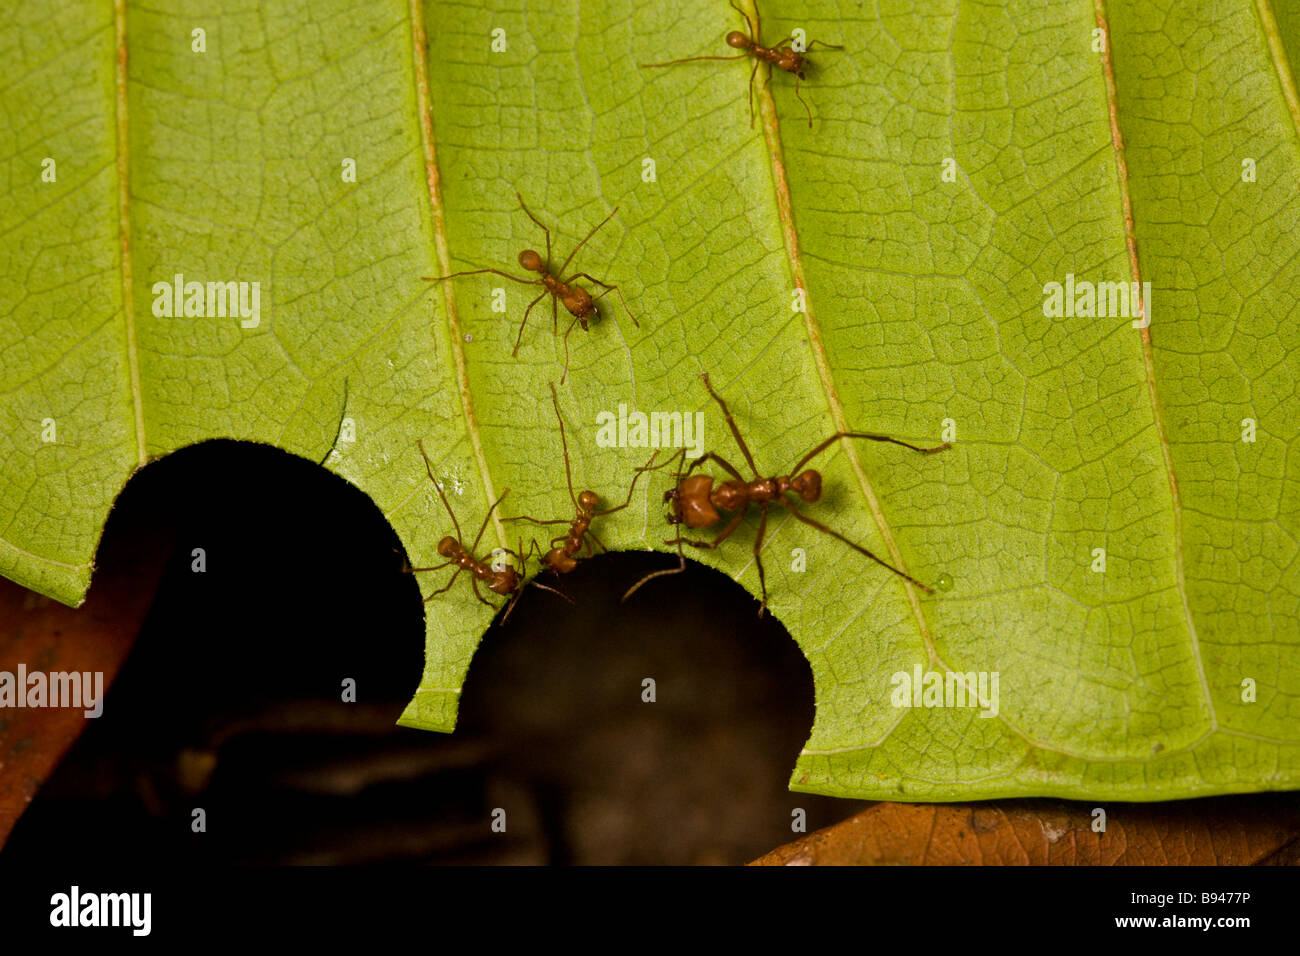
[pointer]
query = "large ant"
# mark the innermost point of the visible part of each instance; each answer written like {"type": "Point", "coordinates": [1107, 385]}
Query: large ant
{"type": "Point", "coordinates": [576, 299]}
{"type": "Point", "coordinates": [698, 499]}
{"type": "Point", "coordinates": [781, 56]}
{"type": "Point", "coordinates": [503, 580]}
{"type": "Point", "coordinates": [563, 555]}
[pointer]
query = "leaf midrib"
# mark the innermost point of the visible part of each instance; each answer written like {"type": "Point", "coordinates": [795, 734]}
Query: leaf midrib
{"type": "Point", "coordinates": [124, 223]}
{"type": "Point", "coordinates": [785, 213]}
{"type": "Point", "coordinates": [1148, 354]}
{"type": "Point", "coordinates": [1276, 49]}
{"type": "Point", "coordinates": [420, 48]}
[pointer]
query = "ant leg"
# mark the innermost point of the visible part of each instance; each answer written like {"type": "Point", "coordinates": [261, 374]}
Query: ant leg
{"type": "Point", "coordinates": [731, 422]}
{"type": "Point", "coordinates": [565, 374]}
{"type": "Point", "coordinates": [513, 601]}
{"type": "Point", "coordinates": [474, 582]}
{"type": "Point", "coordinates": [856, 547]}
{"type": "Point", "coordinates": [534, 549]}
{"type": "Point", "coordinates": [555, 591]}
{"type": "Point", "coordinates": [630, 490]}
{"type": "Point", "coordinates": [758, 556]}
{"type": "Point", "coordinates": [594, 229]}
{"type": "Point", "coordinates": [429, 468]}
{"type": "Point", "coordinates": [564, 443]}
{"type": "Point", "coordinates": [714, 456]}
{"type": "Point", "coordinates": [436, 567]}
{"type": "Point", "coordinates": [486, 518]}
{"type": "Point", "coordinates": [539, 223]}
{"type": "Point", "coordinates": [651, 466]}
{"type": "Point", "coordinates": [753, 75]}
{"type": "Point", "coordinates": [799, 96]}
{"type": "Point", "coordinates": [591, 535]}
{"type": "Point", "coordinates": [829, 46]}
{"type": "Point", "coordinates": [445, 588]}
{"type": "Point", "coordinates": [692, 59]}
{"type": "Point", "coordinates": [537, 520]}
{"type": "Point", "coordinates": [520, 337]}
{"type": "Point", "coordinates": [608, 288]}
{"type": "Point", "coordinates": [555, 317]}
{"type": "Point", "coordinates": [474, 272]}
{"type": "Point", "coordinates": [679, 457]}
{"type": "Point", "coordinates": [752, 24]}
{"type": "Point", "coordinates": [681, 557]}
{"type": "Point", "coordinates": [869, 436]}
{"type": "Point", "coordinates": [681, 566]}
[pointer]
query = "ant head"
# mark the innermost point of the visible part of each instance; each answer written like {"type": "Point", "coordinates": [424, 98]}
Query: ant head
{"type": "Point", "coordinates": [737, 39]}
{"type": "Point", "coordinates": [588, 500]}
{"type": "Point", "coordinates": [558, 561]}
{"type": "Point", "coordinates": [505, 581]}
{"type": "Point", "coordinates": [530, 260]}
{"type": "Point", "coordinates": [692, 502]}
{"type": "Point", "coordinates": [807, 485]}
{"type": "Point", "coordinates": [448, 546]}
{"type": "Point", "coordinates": [793, 61]}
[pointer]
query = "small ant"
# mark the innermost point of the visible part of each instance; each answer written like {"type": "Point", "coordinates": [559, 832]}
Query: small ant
{"type": "Point", "coordinates": [503, 580]}
{"type": "Point", "coordinates": [563, 555]}
{"type": "Point", "coordinates": [781, 56]}
{"type": "Point", "coordinates": [698, 499]}
{"type": "Point", "coordinates": [576, 299]}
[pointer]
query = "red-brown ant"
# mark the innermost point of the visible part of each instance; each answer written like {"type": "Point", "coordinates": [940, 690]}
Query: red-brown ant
{"type": "Point", "coordinates": [781, 56]}
{"type": "Point", "coordinates": [576, 299]}
{"type": "Point", "coordinates": [503, 580]}
{"type": "Point", "coordinates": [563, 555]}
{"type": "Point", "coordinates": [698, 499]}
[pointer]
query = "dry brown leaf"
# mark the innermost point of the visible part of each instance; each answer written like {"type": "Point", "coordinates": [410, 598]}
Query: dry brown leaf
{"type": "Point", "coordinates": [48, 636]}
{"type": "Point", "coordinates": [1225, 830]}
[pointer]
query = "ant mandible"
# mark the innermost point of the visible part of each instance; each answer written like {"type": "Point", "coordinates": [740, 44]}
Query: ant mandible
{"type": "Point", "coordinates": [781, 56]}
{"type": "Point", "coordinates": [698, 499]}
{"type": "Point", "coordinates": [579, 302]}
{"type": "Point", "coordinates": [501, 580]}
{"type": "Point", "coordinates": [563, 555]}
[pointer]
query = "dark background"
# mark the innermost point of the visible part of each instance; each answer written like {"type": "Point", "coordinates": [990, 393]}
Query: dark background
{"type": "Point", "coordinates": [230, 701]}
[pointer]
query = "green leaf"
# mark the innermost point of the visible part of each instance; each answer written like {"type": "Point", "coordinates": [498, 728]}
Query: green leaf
{"type": "Point", "coordinates": [925, 310]}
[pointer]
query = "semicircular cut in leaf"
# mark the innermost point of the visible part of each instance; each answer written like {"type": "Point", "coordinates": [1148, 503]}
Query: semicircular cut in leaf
{"type": "Point", "coordinates": [1115, 524]}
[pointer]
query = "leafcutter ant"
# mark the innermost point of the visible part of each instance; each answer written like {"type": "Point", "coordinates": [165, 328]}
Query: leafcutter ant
{"type": "Point", "coordinates": [563, 555]}
{"type": "Point", "coordinates": [782, 56]}
{"type": "Point", "coordinates": [697, 499]}
{"type": "Point", "coordinates": [579, 302]}
{"type": "Point", "coordinates": [502, 579]}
